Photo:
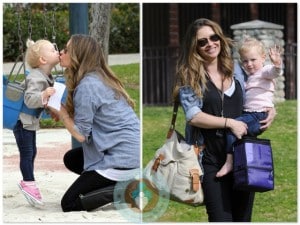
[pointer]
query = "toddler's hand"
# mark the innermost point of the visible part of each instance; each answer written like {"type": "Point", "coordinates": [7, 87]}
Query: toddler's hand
{"type": "Point", "coordinates": [275, 55]}
{"type": "Point", "coordinates": [48, 92]}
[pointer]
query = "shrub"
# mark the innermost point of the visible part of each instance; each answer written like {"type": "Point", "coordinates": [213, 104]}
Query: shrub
{"type": "Point", "coordinates": [124, 37]}
{"type": "Point", "coordinates": [41, 23]}
{"type": "Point", "coordinates": [124, 30]}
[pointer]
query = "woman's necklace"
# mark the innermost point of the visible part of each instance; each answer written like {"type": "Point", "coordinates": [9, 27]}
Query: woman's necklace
{"type": "Point", "coordinates": [219, 132]}
{"type": "Point", "coordinates": [220, 90]}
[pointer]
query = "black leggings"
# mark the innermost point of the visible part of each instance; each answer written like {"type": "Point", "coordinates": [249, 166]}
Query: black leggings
{"type": "Point", "coordinates": [87, 181]}
{"type": "Point", "coordinates": [223, 204]}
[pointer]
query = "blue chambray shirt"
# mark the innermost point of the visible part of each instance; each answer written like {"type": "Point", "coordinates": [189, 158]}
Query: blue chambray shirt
{"type": "Point", "coordinates": [110, 126]}
{"type": "Point", "coordinates": [192, 105]}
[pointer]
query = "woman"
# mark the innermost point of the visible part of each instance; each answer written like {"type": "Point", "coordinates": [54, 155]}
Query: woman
{"type": "Point", "coordinates": [99, 114]}
{"type": "Point", "coordinates": [211, 97]}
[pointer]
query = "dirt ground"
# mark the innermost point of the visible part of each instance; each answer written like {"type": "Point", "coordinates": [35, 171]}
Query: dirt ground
{"type": "Point", "coordinates": [52, 178]}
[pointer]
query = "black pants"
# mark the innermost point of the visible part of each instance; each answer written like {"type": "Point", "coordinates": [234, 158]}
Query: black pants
{"type": "Point", "coordinates": [87, 181]}
{"type": "Point", "coordinates": [223, 203]}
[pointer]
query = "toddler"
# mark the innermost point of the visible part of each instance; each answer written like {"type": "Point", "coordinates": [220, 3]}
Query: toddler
{"type": "Point", "coordinates": [41, 57]}
{"type": "Point", "coordinates": [260, 86]}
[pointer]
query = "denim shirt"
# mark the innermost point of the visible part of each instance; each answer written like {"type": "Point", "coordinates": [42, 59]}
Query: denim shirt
{"type": "Point", "coordinates": [192, 105]}
{"type": "Point", "coordinates": [110, 126]}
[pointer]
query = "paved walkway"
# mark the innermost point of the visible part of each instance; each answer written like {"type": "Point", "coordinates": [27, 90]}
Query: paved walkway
{"type": "Point", "coordinates": [51, 144]}
{"type": "Point", "coordinates": [120, 59]}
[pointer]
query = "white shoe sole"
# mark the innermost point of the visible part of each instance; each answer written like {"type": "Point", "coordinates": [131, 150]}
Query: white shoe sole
{"type": "Point", "coordinates": [31, 200]}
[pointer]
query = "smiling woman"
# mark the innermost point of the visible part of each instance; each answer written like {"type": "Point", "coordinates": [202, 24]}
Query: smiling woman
{"type": "Point", "coordinates": [207, 89]}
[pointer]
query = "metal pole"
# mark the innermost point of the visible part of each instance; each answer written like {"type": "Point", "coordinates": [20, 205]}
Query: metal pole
{"type": "Point", "coordinates": [79, 24]}
{"type": "Point", "coordinates": [79, 18]}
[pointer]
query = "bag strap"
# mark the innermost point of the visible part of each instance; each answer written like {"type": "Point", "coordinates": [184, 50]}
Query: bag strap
{"type": "Point", "coordinates": [173, 121]}
{"type": "Point", "coordinates": [195, 179]}
{"type": "Point", "coordinates": [197, 148]}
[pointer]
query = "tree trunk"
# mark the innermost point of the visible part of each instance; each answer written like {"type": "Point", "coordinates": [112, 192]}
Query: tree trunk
{"type": "Point", "coordinates": [100, 25]}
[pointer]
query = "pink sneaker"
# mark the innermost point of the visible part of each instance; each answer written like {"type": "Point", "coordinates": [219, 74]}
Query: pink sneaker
{"type": "Point", "coordinates": [31, 192]}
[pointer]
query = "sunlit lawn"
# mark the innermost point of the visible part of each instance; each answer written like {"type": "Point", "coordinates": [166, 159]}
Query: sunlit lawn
{"type": "Point", "coordinates": [279, 205]}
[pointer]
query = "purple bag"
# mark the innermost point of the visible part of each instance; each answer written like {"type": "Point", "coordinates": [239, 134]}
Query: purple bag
{"type": "Point", "coordinates": [253, 165]}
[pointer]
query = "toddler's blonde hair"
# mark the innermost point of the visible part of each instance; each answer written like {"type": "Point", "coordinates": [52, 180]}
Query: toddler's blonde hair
{"type": "Point", "coordinates": [33, 53]}
{"type": "Point", "coordinates": [248, 43]}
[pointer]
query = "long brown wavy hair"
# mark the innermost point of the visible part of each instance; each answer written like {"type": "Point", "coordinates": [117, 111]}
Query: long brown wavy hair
{"type": "Point", "coordinates": [86, 56]}
{"type": "Point", "coordinates": [190, 69]}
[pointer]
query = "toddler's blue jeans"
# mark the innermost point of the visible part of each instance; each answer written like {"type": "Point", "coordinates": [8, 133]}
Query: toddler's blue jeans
{"type": "Point", "coordinates": [252, 119]}
{"type": "Point", "coordinates": [26, 142]}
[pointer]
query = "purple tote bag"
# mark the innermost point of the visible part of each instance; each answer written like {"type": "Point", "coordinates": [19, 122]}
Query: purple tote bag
{"type": "Point", "coordinates": [253, 165]}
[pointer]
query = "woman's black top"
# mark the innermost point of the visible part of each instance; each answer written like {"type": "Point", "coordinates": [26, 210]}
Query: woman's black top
{"type": "Point", "coordinates": [215, 139]}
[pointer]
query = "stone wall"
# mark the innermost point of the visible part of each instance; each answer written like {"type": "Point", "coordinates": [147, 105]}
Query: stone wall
{"type": "Point", "coordinates": [270, 34]}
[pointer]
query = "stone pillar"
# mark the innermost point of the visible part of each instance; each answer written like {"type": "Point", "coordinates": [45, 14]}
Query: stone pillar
{"type": "Point", "coordinates": [270, 34]}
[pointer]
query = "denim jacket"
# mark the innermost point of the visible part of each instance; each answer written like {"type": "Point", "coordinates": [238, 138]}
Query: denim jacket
{"type": "Point", "coordinates": [192, 105]}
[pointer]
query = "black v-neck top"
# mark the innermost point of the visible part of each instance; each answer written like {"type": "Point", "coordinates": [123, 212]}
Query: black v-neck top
{"type": "Point", "coordinates": [214, 152]}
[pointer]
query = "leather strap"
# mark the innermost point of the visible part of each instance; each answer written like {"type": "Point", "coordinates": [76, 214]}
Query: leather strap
{"type": "Point", "coordinates": [197, 148]}
{"type": "Point", "coordinates": [195, 179]}
{"type": "Point", "coordinates": [174, 116]}
{"type": "Point", "coordinates": [157, 162]}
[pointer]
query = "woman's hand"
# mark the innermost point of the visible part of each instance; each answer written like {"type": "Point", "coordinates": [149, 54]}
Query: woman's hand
{"type": "Point", "coordinates": [268, 121]}
{"type": "Point", "coordinates": [68, 122]}
{"type": "Point", "coordinates": [58, 115]}
{"type": "Point", "coordinates": [238, 128]}
{"type": "Point", "coordinates": [53, 116]}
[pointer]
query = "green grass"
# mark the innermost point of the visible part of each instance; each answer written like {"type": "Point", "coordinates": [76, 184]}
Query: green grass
{"type": "Point", "coordinates": [279, 205]}
{"type": "Point", "coordinates": [129, 75]}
